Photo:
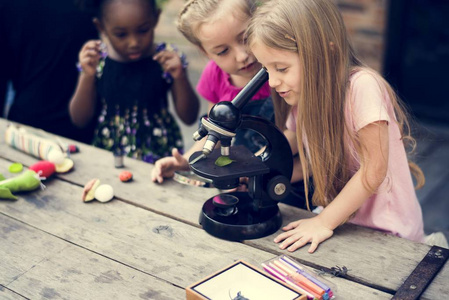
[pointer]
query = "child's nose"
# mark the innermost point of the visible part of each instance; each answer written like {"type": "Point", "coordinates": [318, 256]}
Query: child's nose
{"type": "Point", "coordinates": [133, 41]}
{"type": "Point", "coordinates": [273, 81]}
{"type": "Point", "coordinates": [242, 54]}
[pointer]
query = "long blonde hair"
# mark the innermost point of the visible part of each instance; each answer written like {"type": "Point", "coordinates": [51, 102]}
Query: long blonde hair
{"type": "Point", "coordinates": [314, 29]}
{"type": "Point", "coordinates": [198, 12]}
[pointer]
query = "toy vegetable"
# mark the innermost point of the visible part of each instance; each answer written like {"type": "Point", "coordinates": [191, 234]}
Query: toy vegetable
{"type": "Point", "coordinates": [27, 181]}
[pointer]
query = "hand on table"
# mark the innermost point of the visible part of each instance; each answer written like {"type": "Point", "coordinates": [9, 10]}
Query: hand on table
{"type": "Point", "coordinates": [301, 232]}
{"type": "Point", "coordinates": [166, 167]}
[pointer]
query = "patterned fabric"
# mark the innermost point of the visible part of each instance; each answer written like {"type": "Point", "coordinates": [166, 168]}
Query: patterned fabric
{"type": "Point", "coordinates": [134, 119]}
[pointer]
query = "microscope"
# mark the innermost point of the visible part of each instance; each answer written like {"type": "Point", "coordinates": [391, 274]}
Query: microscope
{"type": "Point", "coordinates": [242, 215]}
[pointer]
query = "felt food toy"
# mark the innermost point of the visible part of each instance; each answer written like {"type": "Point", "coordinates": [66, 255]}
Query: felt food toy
{"type": "Point", "coordinates": [89, 189]}
{"type": "Point", "coordinates": [65, 166]}
{"type": "Point", "coordinates": [56, 156]}
{"type": "Point", "coordinates": [43, 168]}
{"type": "Point", "coordinates": [73, 148]}
{"type": "Point", "coordinates": [38, 144]}
{"type": "Point", "coordinates": [93, 190]}
{"type": "Point", "coordinates": [125, 176]}
{"type": "Point", "coordinates": [27, 181]}
{"type": "Point", "coordinates": [104, 193]}
{"type": "Point", "coordinates": [30, 143]}
{"type": "Point", "coordinates": [62, 163]}
{"type": "Point", "coordinates": [15, 168]}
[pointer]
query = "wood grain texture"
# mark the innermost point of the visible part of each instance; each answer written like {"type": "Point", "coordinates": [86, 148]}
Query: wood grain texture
{"type": "Point", "coordinates": [148, 221]}
{"type": "Point", "coordinates": [151, 244]}
{"type": "Point", "coordinates": [7, 294]}
{"type": "Point", "coordinates": [38, 265]}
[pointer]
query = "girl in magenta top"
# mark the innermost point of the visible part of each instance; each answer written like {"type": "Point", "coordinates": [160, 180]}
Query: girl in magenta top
{"type": "Point", "coordinates": [215, 85]}
{"type": "Point", "coordinates": [217, 28]}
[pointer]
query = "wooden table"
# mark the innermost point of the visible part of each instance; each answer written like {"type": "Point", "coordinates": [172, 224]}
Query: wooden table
{"type": "Point", "coordinates": [147, 243]}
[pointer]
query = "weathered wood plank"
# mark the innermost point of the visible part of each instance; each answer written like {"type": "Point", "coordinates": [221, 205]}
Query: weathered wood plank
{"type": "Point", "coordinates": [18, 240]}
{"type": "Point", "coordinates": [169, 198]}
{"type": "Point", "coordinates": [184, 203]}
{"type": "Point", "coordinates": [170, 250]}
{"type": "Point", "coordinates": [38, 265]}
{"type": "Point", "coordinates": [7, 294]}
{"type": "Point", "coordinates": [373, 258]}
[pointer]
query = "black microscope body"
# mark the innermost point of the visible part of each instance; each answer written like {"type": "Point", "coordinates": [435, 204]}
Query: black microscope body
{"type": "Point", "coordinates": [255, 213]}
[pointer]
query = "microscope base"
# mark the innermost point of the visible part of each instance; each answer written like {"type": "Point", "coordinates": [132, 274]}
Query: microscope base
{"type": "Point", "coordinates": [244, 224]}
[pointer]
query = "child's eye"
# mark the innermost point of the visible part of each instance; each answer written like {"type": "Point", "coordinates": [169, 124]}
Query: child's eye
{"type": "Point", "coordinates": [281, 70]}
{"type": "Point", "coordinates": [223, 52]}
{"type": "Point", "coordinates": [120, 34]}
{"type": "Point", "coordinates": [143, 30]}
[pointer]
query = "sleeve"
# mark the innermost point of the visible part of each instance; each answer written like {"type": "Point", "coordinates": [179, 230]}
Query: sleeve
{"type": "Point", "coordinates": [206, 83]}
{"type": "Point", "coordinates": [368, 99]}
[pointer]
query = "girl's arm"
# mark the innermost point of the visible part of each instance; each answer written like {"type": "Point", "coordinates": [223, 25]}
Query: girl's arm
{"type": "Point", "coordinates": [167, 166]}
{"type": "Point", "coordinates": [82, 104]}
{"type": "Point", "coordinates": [185, 100]}
{"type": "Point", "coordinates": [372, 172]}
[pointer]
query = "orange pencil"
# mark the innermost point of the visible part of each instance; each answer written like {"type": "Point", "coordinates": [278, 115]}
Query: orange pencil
{"type": "Point", "coordinates": [283, 276]}
{"type": "Point", "coordinates": [289, 269]}
{"type": "Point", "coordinates": [300, 279]}
{"type": "Point", "coordinates": [288, 279]}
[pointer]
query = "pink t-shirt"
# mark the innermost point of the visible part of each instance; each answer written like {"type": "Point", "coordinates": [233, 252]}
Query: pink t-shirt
{"type": "Point", "coordinates": [215, 86]}
{"type": "Point", "coordinates": [394, 208]}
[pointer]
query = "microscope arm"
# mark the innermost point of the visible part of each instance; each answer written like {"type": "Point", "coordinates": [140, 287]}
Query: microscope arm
{"type": "Point", "coordinates": [225, 117]}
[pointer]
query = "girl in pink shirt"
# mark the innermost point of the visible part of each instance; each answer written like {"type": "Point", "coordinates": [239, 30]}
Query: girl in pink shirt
{"type": "Point", "coordinates": [217, 28]}
{"type": "Point", "coordinates": [344, 120]}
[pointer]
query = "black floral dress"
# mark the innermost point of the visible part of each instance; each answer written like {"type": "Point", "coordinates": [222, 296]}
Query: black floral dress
{"type": "Point", "coordinates": [134, 119]}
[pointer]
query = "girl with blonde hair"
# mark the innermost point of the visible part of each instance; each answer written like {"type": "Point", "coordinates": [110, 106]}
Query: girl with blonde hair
{"type": "Point", "coordinates": [344, 120]}
{"type": "Point", "coordinates": [217, 28]}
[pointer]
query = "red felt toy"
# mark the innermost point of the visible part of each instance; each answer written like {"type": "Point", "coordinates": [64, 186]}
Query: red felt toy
{"type": "Point", "coordinates": [44, 168]}
{"type": "Point", "coordinates": [126, 176]}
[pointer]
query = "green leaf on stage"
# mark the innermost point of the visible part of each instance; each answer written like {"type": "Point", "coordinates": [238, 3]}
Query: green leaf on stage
{"type": "Point", "coordinates": [223, 161]}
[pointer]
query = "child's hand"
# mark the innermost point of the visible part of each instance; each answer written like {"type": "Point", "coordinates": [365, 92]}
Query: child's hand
{"type": "Point", "coordinates": [166, 167]}
{"type": "Point", "coordinates": [89, 57]}
{"type": "Point", "coordinates": [170, 62]}
{"type": "Point", "coordinates": [301, 232]}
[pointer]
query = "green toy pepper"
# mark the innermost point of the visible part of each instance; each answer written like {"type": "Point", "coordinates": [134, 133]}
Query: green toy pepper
{"type": "Point", "coordinates": [25, 182]}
